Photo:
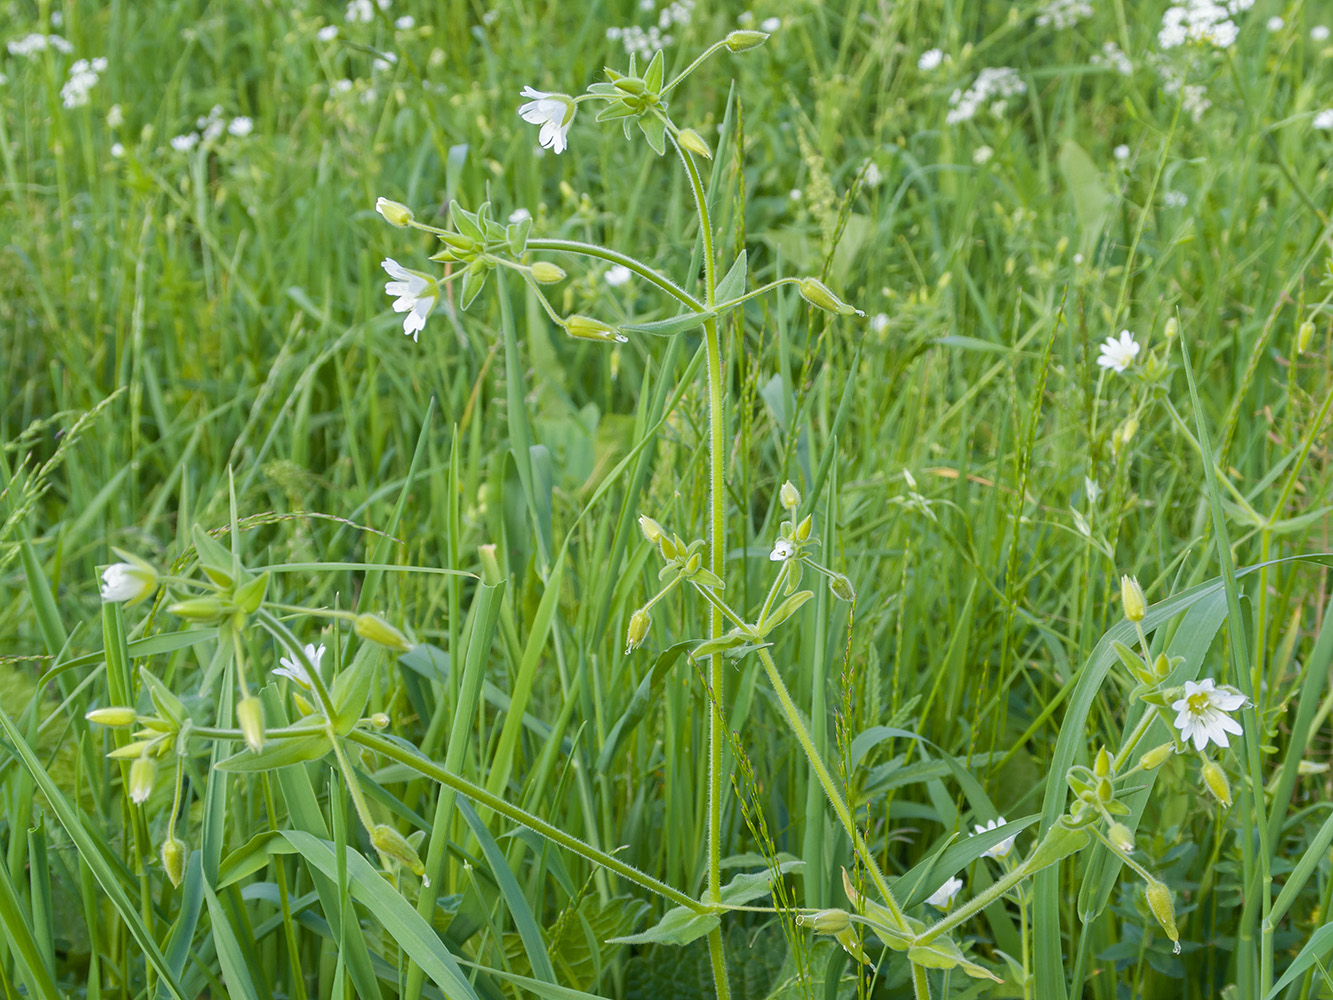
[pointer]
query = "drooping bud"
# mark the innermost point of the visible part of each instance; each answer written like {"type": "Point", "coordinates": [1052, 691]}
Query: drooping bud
{"type": "Point", "coordinates": [174, 855]}
{"type": "Point", "coordinates": [739, 41]}
{"type": "Point", "coordinates": [694, 142]}
{"type": "Point", "coordinates": [586, 328]}
{"type": "Point", "coordinates": [1304, 334]}
{"type": "Point", "coordinates": [250, 720]}
{"type": "Point", "coordinates": [1156, 757]}
{"type": "Point", "coordinates": [395, 214]}
{"type": "Point", "coordinates": [842, 587]}
{"type": "Point", "coordinates": [819, 294]}
{"type": "Point", "coordinates": [116, 715]}
{"type": "Point", "coordinates": [143, 772]}
{"type": "Point", "coordinates": [638, 630]}
{"type": "Point", "coordinates": [789, 495]}
{"type": "Point", "coordinates": [1159, 901]}
{"type": "Point", "coordinates": [826, 921]}
{"type": "Point", "coordinates": [1131, 597]}
{"type": "Point", "coordinates": [394, 845]}
{"type": "Point", "coordinates": [375, 629]}
{"type": "Point", "coordinates": [1121, 836]}
{"type": "Point", "coordinates": [651, 529]}
{"type": "Point", "coordinates": [547, 273]}
{"type": "Point", "coordinates": [1215, 780]}
{"type": "Point", "coordinates": [199, 609]}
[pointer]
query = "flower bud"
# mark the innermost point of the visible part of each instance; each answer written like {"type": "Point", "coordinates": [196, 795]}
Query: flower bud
{"type": "Point", "coordinates": [250, 719]}
{"type": "Point", "coordinates": [1121, 836]}
{"type": "Point", "coordinates": [638, 629]}
{"type": "Point", "coordinates": [826, 921]}
{"type": "Point", "coordinates": [586, 328]}
{"type": "Point", "coordinates": [394, 213]}
{"type": "Point", "coordinates": [1172, 328]}
{"type": "Point", "coordinates": [819, 294]}
{"type": "Point", "coordinates": [739, 41]}
{"type": "Point", "coordinates": [380, 720]}
{"type": "Point", "coordinates": [547, 273]}
{"type": "Point", "coordinates": [1131, 597]}
{"type": "Point", "coordinates": [651, 529]}
{"type": "Point", "coordinates": [117, 715]}
{"type": "Point", "coordinates": [842, 588]}
{"type": "Point", "coordinates": [803, 529]}
{"type": "Point", "coordinates": [129, 582]}
{"type": "Point", "coordinates": [1215, 780]}
{"type": "Point", "coordinates": [1105, 791]}
{"type": "Point", "coordinates": [1159, 901]}
{"type": "Point", "coordinates": [373, 628]}
{"type": "Point", "coordinates": [199, 609]}
{"type": "Point", "coordinates": [1102, 765]}
{"type": "Point", "coordinates": [1161, 667]}
{"type": "Point", "coordinates": [174, 855]}
{"type": "Point", "coordinates": [1304, 334]}
{"type": "Point", "coordinates": [694, 142]}
{"type": "Point", "coordinates": [143, 772]}
{"type": "Point", "coordinates": [1156, 757]}
{"type": "Point", "coordinates": [394, 845]}
{"type": "Point", "coordinates": [789, 495]}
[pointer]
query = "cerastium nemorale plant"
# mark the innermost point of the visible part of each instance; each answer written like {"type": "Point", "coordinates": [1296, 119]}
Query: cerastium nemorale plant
{"type": "Point", "coordinates": [330, 716]}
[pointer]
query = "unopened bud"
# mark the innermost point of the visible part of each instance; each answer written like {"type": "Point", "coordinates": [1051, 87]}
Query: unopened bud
{"type": "Point", "coordinates": [638, 629]}
{"type": "Point", "coordinates": [1121, 836]}
{"type": "Point", "coordinates": [1215, 780]}
{"type": "Point", "coordinates": [394, 845]}
{"type": "Point", "coordinates": [1304, 334]}
{"type": "Point", "coordinates": [250, 719]}
{"type": "Point", "coordinates": [143, 772]}
{"type": "Point", "coordinates": [803, 529]}
{"type": "Point", "coordinates": [1105, 791]}
{"type": "Point", "coordinates": [380, 720]}
{"type": "Point", "coordinates": [1102, 765]}
{"type": "Point", "coordinates": [1159, 901]}
{"type": "Point", "coordinates": [373, 628]}
{"type": "Point", "coordinates": [1172, 328]}
{"type": "Point", "coordinates": [586, 328]}
{"type": "Point", "coordinates": [1157, 756]}
{"type": "Point", "coordinates": [547, 273]}
{"type": "Point", "coordinates": [694, 142]}
{"type": "Point", "coordinates": [819, 294]}
{"type": "Point", "coordinates": [826, 921]}
{"type": "Point", "coordinates": [199, 609]}
{"type": "Point", "coordinates": [394, 213]}
{"type": "Point", "coordinates": [117, 715]}
{"type": "Point", "coordinates": [1161, 667]}
{"type": "Point", "coordinates": [1131, 597]}
{"type": "Point", "coordinates": [651, 529]}
{"type": "Point", "coordinates": [739, 41]}
{"type": "Point", "coordinates": [789, 495]}
{"type": "Point", "coordinates": [174, 855]}
{"type": "Point", "coordinates": [842, 588]}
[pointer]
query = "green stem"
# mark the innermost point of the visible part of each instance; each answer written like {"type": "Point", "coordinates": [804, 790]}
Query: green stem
{"type": "Point", "coordinates": [920, 983]}
{"type": "Point", "coordinates": [615, 257]}
{"type": "Point", "coordinates": [1139, 731]}
{"type": "Point", "coordinates": [693, 66]}
{"type": "Point", "coordinates": [397, 752]}
{"type": "Point", "coordinates": [353, 786]}
{"type": "Point", "coordinates": [974, 905]}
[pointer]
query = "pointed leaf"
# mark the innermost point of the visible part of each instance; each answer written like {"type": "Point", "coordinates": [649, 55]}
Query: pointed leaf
{"type": "Point", "coordinates": [732, 284]}
{"type": "Point", "coordinates": [680, 925]}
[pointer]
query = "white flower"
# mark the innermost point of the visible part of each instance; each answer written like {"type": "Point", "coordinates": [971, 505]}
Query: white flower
{"type": "Point", "coordinates": [1324, 120]}
{"type": "Point", "coordinates": [782, 550]}
{"type": "Point", "coordinates": [617, 276]}
{"type": "Point", "coordinates": [770, 24]}
{"type": "Point", "coordinates": [405, 23]}
{"type": "Point", "coordinates": [117, 150]}
{"type": "Point", "coordinates": [981, 155]}
{"type": "Point", "coordinates": [125, 581]}
{"type": "Point", "coordinates": [1275, 23]}
{"type": "Point", "coordinates": [185, 143]}
{"type": "Point", "coordinates": [873, 176]}
{"type": "Point", "coordinates": [1319, 33]}
{"type": "Point", "coordinates": [241, 127]}
{"type": "Point", "coordinates": [879, 323]}
{"type": "Point", "coordinates": [359, 10]}
{"type": "Point", "coordinates": [553, 112]}
{"type": "Point", "coordinates": [1175, 199]}
{"type": "Point", "coordinates": [327, 33]}
{"type": "Point", "coordinates": [1121, 152]}
{"type": "Point", "coordinates": [416, 293]}
{"type": "Point", "coordinates": [1063, 13]}
{"type": "Point", "coordinates": [1119, 354]}
{"type": "Point", "coordinates": [795, 194]}
{"type": "Point", "coordinates": [295, 668]}
{"type": "Point", "coordinates": [115, 116]}
{"type": "Point", "coordinates": [1202, 713]}
{"type": "Point", "coordinates": [519, 214]}
{"type": "Point", "coordinates": [1002, 849]}
{"type": "Point", "coordinates": [929, 60]}
{"type": "Point", "coordinates": [942, 898]}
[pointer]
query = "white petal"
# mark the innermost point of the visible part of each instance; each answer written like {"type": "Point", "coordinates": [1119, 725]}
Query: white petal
{"type": "Point", "coordinates": [395, 269]}
{"type": "Point", "coordinates": [1200, 736]}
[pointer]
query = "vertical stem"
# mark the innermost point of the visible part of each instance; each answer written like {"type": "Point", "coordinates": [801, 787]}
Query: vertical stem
{"type": "Point", "coordinates": [920, 983]}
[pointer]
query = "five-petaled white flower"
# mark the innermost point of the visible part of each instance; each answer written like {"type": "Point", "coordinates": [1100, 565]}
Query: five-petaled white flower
{"type": "Point", "coordinates": [782, 550]}
{"type": "Point", "coordinates": [416, 293]}
{"type": "Point", "coordinates": [294, 667]}
{"type": "Point", "coordinates": [553, 112]}
{"type": "Point", "coordinates": [1202, 713]}
{"type": "Point", "coordinates": [942, 898]}
{"type": "Point", "coordinates": [1119, 354]}
{"type": "Point", "coordinates": [1002, 849]}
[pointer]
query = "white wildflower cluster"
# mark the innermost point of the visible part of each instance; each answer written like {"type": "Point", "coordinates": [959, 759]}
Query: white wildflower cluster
{"type": "Point", "coordinates": [211, 127]}
{"type": "Point", "coordinates": [83, 76]}
{"type": "Point", "coordinates": [1194, 99]}
{"type": "Point", "coordinates": [993, 85]}
{"type": "Point", "coordinates": [1175, 199]}
{"type": "Point", "coordinates": [384, 62]}
{"type": "Point", "coordinates": [29, 45]}
{"type": "Point", "coordinates": [363, 11]}
{"type": "Point", "coordinates": [1063, 14]}
{"type": "Point", "coordinates": [1201, 21]}
{"type": "Point", "coordinates": [645, 42]}
{"type": "Point", "coordinates": [1113, 57]}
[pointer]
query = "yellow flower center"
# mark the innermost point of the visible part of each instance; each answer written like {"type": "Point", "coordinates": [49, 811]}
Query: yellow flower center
{"type": "Point", "coordinates": [1198, 702]}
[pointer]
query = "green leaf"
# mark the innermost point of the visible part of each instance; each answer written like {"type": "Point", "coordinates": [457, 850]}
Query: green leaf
{"type": "Point", "coordinates": [672, 326]}
{"type": "Point", "coordinates": [638, 705]}
{"type": "Point", "coordinates": [786, 609]}
{"type": "Point", "coordinates": [465, 222]}
{"type": "Point", "coordinates": [654, 130]}
{"type": "Point", "coordinates": [166, 703]}
{"type": "Point", "coordinates": [749, 886]}
{"type": "Point", "coordinates": [214, 560]}
{"type": "Point", "coordinates": [351, 688]}
{"type": "Point", "coordinates": [280, 753]}
{"type": "Point", "coordinates": [679, 925]}
{"type": "Point", "coordinates": [732, 285]}
{"type": "Point", "coordinates": [732, 640]}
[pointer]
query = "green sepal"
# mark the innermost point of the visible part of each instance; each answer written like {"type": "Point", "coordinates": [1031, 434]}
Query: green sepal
{"type": "Point", "coordinates": [611, 75]}
{"type": "Point", "coordinates": [705, 578]}
{"type": "Point", "coordinates": [654, 130]}
{"type": "Point", "coordinates": [794, 573]}
{"type": "Point", "coordinates": [604, 89]}
{"type": "Point", "coordinates": [614, 110]}
{"type": "Point", "coordinates": [517, 236]}
{"type": "Point", "coordinates": [281, 753]}
{"type": "Point", "coordinates": [465, 222]}
{"type": "Point", "coordinates": [652, 77]}
{"type": "Point", "coordinates": [474, 280]}
{"type": "Point", "coordinates": [1132, 662]}
{"type": "Point", "coordinates": [214, 560]}
{"type": "Point", "coordinates": [251, 595]}
{"type": "Point", "coordinates": [495, 233]}
{"type": "Point", "coordinates": [942, 953]}
{"type": "Point", "coordinates": [166, 703]}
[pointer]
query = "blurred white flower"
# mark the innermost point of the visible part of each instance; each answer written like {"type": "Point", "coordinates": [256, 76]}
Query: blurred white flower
{"type": "Point", "coordinates": [519, 214]}
{"type": "Point", "coordinates": [1121, 152]}
{"type": "Point", "coordinates": [553, 112]}
{"type": "Point", "coordinates": [1002, 849]}
{"type": "Point", "coordinates": [1323, 120]}
{"type": "Point", "coordinates": [117, 150]}
{"type": "Point", "coordinates": [1062, 14]}
{"type": "Point", "coordinates": [1175, 199]}
{"type": "Point", "coordinates": [770, 24]}
{"type": "Point", "coordinates": [942, 898]}
{"type": "Point", "coordinates": [981, 155]}
{"type": "Point", "coordinates": [359, 10]}
{"type": "Point", "coordinates": [241, 126]}
{"type": "Point", "coordinates": [1118, 355]}
{"type": "Point", "coordinates": [405, 23]}
{"type": "Point", "coordinates": [1202, 713]}
{"type": "Point", "coordinates": [794, 194]}
{"type": "Point", "coordinates": [929, 60]}
{"type": "Point", "coordinates": [1113, 57]}
{"type": "Point", "coordinates": [992, 82]}
{"type": "Point", "coordinates": [879, 323]}
{"type": "Point", "coordinates": [295, 668]}
{"type": "Point", "coordinates": [327, 33]}
{"type": "Point", "coordinates": [115, 117]}
{"type": "Point", "coordinates": [185, 143]}
{"type": "Point", "coordinates": [618, 275]}
{"type": "Point", "coordinates": [83, 76]}
{"type": "Point", "coordinates": [1319, 33]}
{"type": "Point", "coordinates": [416, 293]}
{"type": "Point", "coordinates": [1275, 23]}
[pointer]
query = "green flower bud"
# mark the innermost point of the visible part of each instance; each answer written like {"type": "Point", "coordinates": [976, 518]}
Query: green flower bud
{"type": "Point", "coordinates": [250, 720]}
{"type": "Point", "coordinates": [117, 715]}
{"type": "Point", "coordinates": [789, 495]}
{"type": "Point", "coordinates": [1215, 780]}
{"type": "Point", "coordinates": [1121, 836]}
{"type": "Point", "coordinates": [380, 720]}
{"type": "Point", "coordinates": [1172, 328]}
{"type": "Point", "coordinates": [394, 846]}
{"type": "Point", "coordinates": [638, 629]}
{"type": "Point", "coordinates": [694, 142]}
{"type": "Point", "coordinates": [394, 213]}
{"type": "Point", "coordinates": [1105, 791]}
{"type": "Point", "coordinates": [1304, 334]}
{"type": "Point", "coordinates": [826, 921]}
{"type": "Point", "coordinates": [803, 529]}
{"type": "Point", "coordinates": [739, 41]}
{"type": "Point", "coordinates": [1156, 757]}
{"type": "Point", "coordinates": [373, 628]}
{"type": "Point", "coordinates": [1102, 765]}
{"type": "Point", "coordinates": [143, 772]}
{"type": "Point", "coordinates": [842, 588]}
{"type": "Point", "coordinates": [199, 609]}
{"type": "Point", "coordinates": [174, 855]}
{"type": "Point", "coordinates": [1159, 901]}
{"type": "Point", "coordinates": [651, 529]}
{"type": "Point", "coordinates": [819, 294]}
{"type": "Point", "coordinates": [547, 273]}
{"type": "Point", "coordinates": [586, 328]}
{"type": "Point", "coordinates": [1131, 597]}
